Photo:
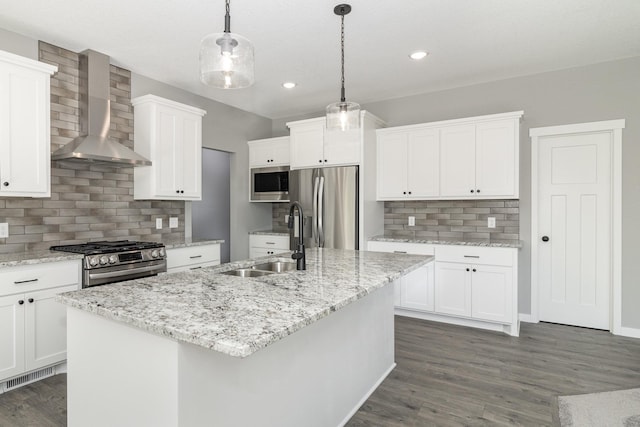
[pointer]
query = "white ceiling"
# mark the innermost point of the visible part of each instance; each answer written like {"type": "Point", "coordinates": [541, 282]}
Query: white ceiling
{"type": "Point", "coordinates": [470, 41]}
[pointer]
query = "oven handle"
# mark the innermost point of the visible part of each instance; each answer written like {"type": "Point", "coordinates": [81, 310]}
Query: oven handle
{"type": "Point", "coordinates": [121, 273]}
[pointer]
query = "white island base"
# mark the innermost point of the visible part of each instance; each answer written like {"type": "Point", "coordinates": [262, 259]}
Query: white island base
{"type": "Point", "coordinates": [120, 375]}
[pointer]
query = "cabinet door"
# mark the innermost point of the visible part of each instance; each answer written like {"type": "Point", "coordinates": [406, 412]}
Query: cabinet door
{"type": "Point", "coordinates": [280, 149]}
{"type": "Point", "coordinates": [496, 159]}
{"type": "Point", "coordinates": [45, 328]}
{"type": "Point", "coordinates": [397, 293]}
{"type": "Point", "coordinates": [11, 336]}
{"type": "Point", "coordinates": [423, 164]}
{"type": "Point", "coordinates": [342, 147]}
{"type": "Point", "coordinates": [392, 166]}
{"type": "Point", "coordinates": [417, 289]}
{"type": "Point", "coordinates": [307, 145]}
{"type": "Point", "coordinates": [189, 170]}
{"type": "Point", "coordinates": [167, 155]}
{"type": "Point", "coordinates": [491, 293]}
{"type": "Point", "coordinates": [260, 155]}
{"type": "Point", "coordinates": [453, 289]}
{"type": "Point", "coordinates": [457, 161]}
{"type": "Point", "coordinates": [24, 132]}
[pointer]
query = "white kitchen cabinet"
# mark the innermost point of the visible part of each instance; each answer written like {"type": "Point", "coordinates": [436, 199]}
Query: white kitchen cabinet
{"type": "Point", "coordinates": [457, 161]}
{"type": "Point", "coordinates": [262, 245]}
{"type": "Point", "coordinates": [192, 257]}
{"type": "Point", "coordinates": [25, 144]}
{"type": "Point", "coordinates": [32, 324]}
{"type": "Point", "coordinates": [453, 289]}
{"type": "Point", "coordinates": [269, 152]}
{"type": "Point", "coordinates": [313, 146]}
{"type": "Point", "coordinates": [408, 164]}
{"type": "Point", "coordinates": [170, 135]}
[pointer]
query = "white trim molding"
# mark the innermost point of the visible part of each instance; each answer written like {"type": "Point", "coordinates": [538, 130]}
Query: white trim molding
{"type": "Point", "coordinates": [615, 127]}
{"type": "Point", "coordinates": [527, 318]}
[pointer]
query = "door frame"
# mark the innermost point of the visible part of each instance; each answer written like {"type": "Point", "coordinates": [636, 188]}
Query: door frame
{"type": "Point", "coordinates": [615, 128]}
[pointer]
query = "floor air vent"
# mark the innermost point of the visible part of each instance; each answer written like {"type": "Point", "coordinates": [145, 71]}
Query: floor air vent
{"type": "Point", "coordinates": [26, 379]}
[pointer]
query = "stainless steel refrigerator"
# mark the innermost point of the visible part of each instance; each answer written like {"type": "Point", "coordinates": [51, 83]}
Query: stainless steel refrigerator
{"type": "Point", "coordinates": [329, 199]}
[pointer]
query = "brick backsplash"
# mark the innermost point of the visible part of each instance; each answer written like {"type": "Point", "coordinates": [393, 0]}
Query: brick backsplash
{"type": "Point", "coordinates": [454, 219]}
{"type": "Point", "coordinates": [88, 202]}
{"type": "Point", "coordinates": [279, 211]}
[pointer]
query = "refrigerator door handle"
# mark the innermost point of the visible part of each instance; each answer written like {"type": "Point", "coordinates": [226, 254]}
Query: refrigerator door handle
{"type": "Point", "coordinates": [321, 213]}
{"type": "Point", "coordinates": [315, 211]}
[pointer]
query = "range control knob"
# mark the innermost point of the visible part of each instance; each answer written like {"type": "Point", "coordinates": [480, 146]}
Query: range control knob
{"type": "Point", "coordinates": [93, 261]}
{"type": "Point", "coordinates": [113, 259]}
{"type": "Point", "coordinates": [104, 260]}
{"type": "Point", "coordinates": [161, 252]}
{"type": "Point", "coordinates": [154, 253]}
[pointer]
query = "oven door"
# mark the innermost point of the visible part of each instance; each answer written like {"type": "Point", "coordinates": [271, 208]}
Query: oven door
{"type": "Point", "coordinates": [270, 184]}
{"type": "Point", "coordinates": [118, 273]}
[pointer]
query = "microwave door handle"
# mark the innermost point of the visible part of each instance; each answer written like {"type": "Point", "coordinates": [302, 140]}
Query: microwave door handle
{"type": "Point", "coordinates": [321, 213]}
{"type": "Point", "coordinates": [315, 210]}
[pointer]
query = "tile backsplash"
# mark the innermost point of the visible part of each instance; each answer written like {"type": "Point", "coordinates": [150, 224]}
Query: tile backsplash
{"type": "Point", "coordinates": [279, 211]}
{"type": "Point", "coordinates": [88, 202]}
{"type": "Point", "coordinates": [453, 219]}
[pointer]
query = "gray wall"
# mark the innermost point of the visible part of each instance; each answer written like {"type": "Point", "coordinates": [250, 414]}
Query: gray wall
{"type": "Point", "coordinates": [597, 92]}
{"type": "Point", "coordinates": [227, 129]}
{"type": "Point", "coordinates": [18, 44]}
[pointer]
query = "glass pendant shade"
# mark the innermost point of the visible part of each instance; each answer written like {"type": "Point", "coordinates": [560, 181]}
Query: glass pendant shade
{"type": "Point", "coordinates": [343, 116]}
{"type": "Point", "coordinates": [226, 61]}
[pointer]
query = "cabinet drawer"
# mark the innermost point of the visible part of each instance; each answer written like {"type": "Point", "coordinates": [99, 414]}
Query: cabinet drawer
{"type": "Point", "coordinates": [409, 248]}
{"type": "Point", "coordinates": [190, 255]}
{"type": "Point", "coordinates": [264, 241]}
{"type": "Point", "coordinates": [476, 255]}
{"type": "Point", "coordinates": [27, 278]}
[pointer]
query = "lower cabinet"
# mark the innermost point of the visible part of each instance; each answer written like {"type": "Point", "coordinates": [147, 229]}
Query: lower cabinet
{"type": "Point", "coordinates": [33, 327]}
{"type": "Point", "coordinates": [263, 244]}
{"type": "Point", "coordinates": [192, 257]}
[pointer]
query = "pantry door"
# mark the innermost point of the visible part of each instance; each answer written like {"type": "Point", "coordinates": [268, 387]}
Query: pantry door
{"type": "Point", "coordinates": [574, 228]}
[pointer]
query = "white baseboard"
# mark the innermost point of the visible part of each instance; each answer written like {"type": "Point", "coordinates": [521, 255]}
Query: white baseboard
{"type": "Point", "coordinates": [366, 396]}
{"type": "Point", "coordinates": [460, 321]}
{"type": "Point", "coordinates": [623, 331]}
{"type": "Point", "coordinates": [528, 318]}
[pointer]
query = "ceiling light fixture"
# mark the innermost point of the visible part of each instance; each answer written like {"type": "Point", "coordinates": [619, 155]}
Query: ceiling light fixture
{"type": "Point", "coordinates": [343, 115]}
{"type": "Point", "coordinates": [421, 54]}
{"type": "Point", "coordinates": [289, 85]}
{"type": "Point", "coordinates": [226, 59]}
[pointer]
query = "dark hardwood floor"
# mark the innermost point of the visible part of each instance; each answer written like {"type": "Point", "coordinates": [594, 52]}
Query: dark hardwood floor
{"type": "Point", "coordinates": [446, 376]}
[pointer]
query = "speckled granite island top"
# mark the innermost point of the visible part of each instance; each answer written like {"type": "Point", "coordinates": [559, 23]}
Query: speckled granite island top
{"type": "Point", "coordinates": [238, 316]}
{"type": "Point", "coordinates": [487, 243]}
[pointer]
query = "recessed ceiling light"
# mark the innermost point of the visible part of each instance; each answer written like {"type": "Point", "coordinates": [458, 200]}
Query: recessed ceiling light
{"type": "Point", "coordinates": [288, 85]}
{"type": "Point", "coordinates": [421, 54]}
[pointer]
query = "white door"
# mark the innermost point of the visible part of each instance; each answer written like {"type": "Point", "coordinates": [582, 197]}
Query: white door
{"type": "Point", "coordinates": [423, 164]}
{"type": "Point", "coordinates": [11, 336]}
{"type": "Point", "coordinates": [458, 161]}
{"type": "Point", "coordinates": [392, 166]}
{"type": "Point", "coordinates": [574, 224]}
{"type": "Point", "coordinates": [453, 289]}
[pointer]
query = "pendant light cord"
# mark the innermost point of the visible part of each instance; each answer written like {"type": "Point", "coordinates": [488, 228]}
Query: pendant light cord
{"type": "Point", "coordinates": [342, 94]}
{"type": "Point", "coordinates": [227, 18]}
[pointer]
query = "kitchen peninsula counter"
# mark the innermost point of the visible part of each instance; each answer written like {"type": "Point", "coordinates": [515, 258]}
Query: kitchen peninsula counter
{"type": "Point", "coordinates": [299, 348]}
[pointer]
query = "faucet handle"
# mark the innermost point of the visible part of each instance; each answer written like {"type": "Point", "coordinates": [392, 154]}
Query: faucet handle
{"type": "Point", "coordinates": [297, 255]}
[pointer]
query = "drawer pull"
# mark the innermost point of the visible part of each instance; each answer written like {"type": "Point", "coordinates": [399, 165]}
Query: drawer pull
{"type": "Point", "coordinates": [195, 256]}
{"type": "Point", "coordinates": [270, 243]}
{"type": "Point", "coordinates": [472, 256]}
{"type": "Point", "coordinates": [20, 282]}
{"type": "Point", "coordinates": [195, 268]}
{"type": "Point", "coordinates": [399, 252]}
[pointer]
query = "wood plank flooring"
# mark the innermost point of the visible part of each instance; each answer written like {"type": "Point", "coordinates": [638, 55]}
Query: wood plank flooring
{"type": "Point", "coordinates": [446, 376]}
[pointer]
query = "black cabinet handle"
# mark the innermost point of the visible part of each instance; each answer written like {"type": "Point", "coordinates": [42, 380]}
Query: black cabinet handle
{"type": "Point", "coordinates": [545, 238]}
{"type": "Point", "coordinates": [467, 269]}
{"type": "Point", "coordinates": [30, 300]}
{"type": "Point", "coordinates": [474, 270]}
{"type": "Point", "coordinates": [404, 192]}
{"type": "Point", "coordinates": [181, 191]}
{"type": "Point", "coordinates": [409, 192]}
{"type": "Point", "coordinates": [477, 191]}
{"type": "Point", "coordinates": [178, 191]}
{"type": "Point", "coordinates": [21, 302]}
{"type": "Point", "coordinates": [6, 183]}
{"type": "Point", "coordinates": [472, 191]}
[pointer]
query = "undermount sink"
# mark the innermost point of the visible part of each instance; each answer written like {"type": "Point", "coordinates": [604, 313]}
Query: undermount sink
{"type": "Point", "coordinates": [263, 269]}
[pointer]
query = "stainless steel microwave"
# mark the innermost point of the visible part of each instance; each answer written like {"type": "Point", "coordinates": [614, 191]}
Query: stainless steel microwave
{"type": "Point", "coordinates": [270, 184]}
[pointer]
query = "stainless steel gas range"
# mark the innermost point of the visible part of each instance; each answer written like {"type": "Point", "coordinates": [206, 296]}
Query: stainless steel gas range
{"type": "Point", "coordinates": [109, 262]}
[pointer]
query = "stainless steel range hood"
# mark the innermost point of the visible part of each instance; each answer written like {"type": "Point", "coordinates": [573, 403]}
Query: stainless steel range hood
{"type": "Point", "coordinates": [95, 119]}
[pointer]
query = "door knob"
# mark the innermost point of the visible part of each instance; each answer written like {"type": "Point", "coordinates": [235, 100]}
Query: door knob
{"type": "Point", "coordinates": [6, 184]}
{"type": "Point", "coordinates": [545, 238]}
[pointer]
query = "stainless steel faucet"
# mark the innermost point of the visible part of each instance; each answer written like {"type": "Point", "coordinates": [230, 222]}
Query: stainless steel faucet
{"type": "Point", "coordinates": [298, 254]}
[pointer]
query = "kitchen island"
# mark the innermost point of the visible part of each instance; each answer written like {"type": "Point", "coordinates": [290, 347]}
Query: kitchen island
{"type": "Point", "coordinates": [205, 348]}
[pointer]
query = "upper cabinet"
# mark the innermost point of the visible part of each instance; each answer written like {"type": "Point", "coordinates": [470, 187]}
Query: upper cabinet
{"type": "Point", "coordinates": [472, 158]}
{"type": "Point", "coordinates": [313, 146]}
{"type": "Point", "coordinates": [25, 145]}
{"type": "Point", "coordinates": [269, 152]}
{"type": "Point", "coordinates": [170, 135]}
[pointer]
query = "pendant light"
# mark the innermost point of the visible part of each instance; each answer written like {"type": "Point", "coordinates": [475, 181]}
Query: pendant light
{"type": "Point", "coordinates": [226, 59]}
{"type": "Point", "coordinates": [343, 115]}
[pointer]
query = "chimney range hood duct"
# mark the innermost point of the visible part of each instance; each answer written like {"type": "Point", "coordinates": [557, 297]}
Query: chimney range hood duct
{"type": "Point", "coordinates": [95, 119]}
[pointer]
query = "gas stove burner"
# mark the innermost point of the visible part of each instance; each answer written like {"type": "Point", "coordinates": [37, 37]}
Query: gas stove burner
{"type": "Point", "coordinates": [94, 248]}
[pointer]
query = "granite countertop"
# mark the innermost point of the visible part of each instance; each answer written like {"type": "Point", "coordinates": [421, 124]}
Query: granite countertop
{"type": "Point", "coordinates": [36, 257]}
{"type": "Point", "coordinates": [269, 233]}
{"type": "Point", "coordinates": [475, 242]}
{"type": "Point", "coordinates": [238, 316]}
{"type": "Point", "coordinates": [191, 242]}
